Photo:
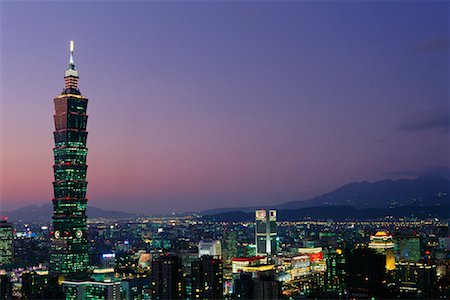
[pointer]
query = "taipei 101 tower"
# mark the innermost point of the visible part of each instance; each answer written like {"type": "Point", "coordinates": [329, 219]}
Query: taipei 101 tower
{"type": "Point", "coordinates": [69, 251]}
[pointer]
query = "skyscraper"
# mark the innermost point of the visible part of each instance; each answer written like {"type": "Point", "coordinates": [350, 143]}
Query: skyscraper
{"type": "Point", "coordinates": [6, 242]}
{"type": "Point", "coordinates": [69, 252]}
{"type": "Point", "coordinates": [383, 244]}
{"type": "Point", "coordinates": [266, 232]}
{"type": "Point", "coordinates": [366, 273]}
{"type": "Point", "coordinates": [335, 274]}
{"type": "Point", "coordinates": [207, 278]}
{"type": "Point", "coordinates": [167, 277]}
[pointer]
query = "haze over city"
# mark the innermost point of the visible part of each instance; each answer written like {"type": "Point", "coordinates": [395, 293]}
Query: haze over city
{"type": "Point", "coordinates": [198, 105]}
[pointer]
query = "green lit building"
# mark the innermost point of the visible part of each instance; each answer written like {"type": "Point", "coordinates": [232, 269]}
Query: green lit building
{"type": "Point", "coordinates": [69, 252]}
{"type": "Point", "coordinates": [92, 290]}
{"type": "Point", "coordinates": [335, 274]}
{"type": "Point", "coordinates": [407, 248]}
{"type": "Point", "coordinates": [6, 242]}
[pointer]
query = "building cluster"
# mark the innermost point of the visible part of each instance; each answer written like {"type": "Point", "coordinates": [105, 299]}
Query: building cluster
{"type": "Point", "coordinates": [190, 258]}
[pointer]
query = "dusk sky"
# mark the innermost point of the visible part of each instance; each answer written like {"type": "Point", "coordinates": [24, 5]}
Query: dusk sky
{"type": "Point", "coordinates": [199, 105]}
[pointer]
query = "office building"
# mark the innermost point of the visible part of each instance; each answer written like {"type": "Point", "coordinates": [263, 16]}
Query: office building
{"type": "Point", "coordinates": [33, 284]}
{"type": "Point", "coordinates": [136, 288]}
{"type": "Point", "coordinates": [167, 277]}
{"type": "Point", "coordinates": [407, 248]}
{"type": "Point", "coordinates": [211, 248]}
{"type": "Point", "coordinates": [6, 286]}
{"type": "Point", "coordinates": [266, 287]}
{"type": "Point", "coordinates": [79, 290]}
{"type": "Point", "coordinates": [239, 263]}
{"type": "Point", "coordinates": [266, 232]}
{"type": "Point", "coordinates": [230, 245]}
{"type": "Point", "coordinates": [366, 273]}
{"type": "Point", "coordinates": [108, 260]}
{"type": "Point", "coordinates": [416, 280]}
{"type": "Point", "coordinates": [383, 244]}
{"type": "Point", "coordinates": [6, 242]}
{"type": "Point", "coordinates": [335, 274]}
{"type": "Point", "coordinates": [69, 251]}
{"type": "Point", "coordinates": [207, 278]}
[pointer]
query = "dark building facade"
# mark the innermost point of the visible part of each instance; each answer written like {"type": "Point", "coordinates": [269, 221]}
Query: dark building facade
{"type": "Point", "coordinates": [167, 277]}
{"type": "Point", "coordinates": [207, 278]}
{"type": "Point", "coordinates": [266, 287]}
{"type": "Point", "coordinates": [5, 286]}
{"type": "Point", "coordinates": [366, 274]}
{"type": "Point", "coordinates": [69, 252]}
{"type": "Point", "coordinates": [263, 286]}
{"type": "Point", "coordinates": [416, 280]}
{"type": "Point", "coordinates": [33, 285]}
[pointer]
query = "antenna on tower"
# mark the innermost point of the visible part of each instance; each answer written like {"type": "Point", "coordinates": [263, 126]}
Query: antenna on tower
{"type": "Point", "coordinates": [71, 63]}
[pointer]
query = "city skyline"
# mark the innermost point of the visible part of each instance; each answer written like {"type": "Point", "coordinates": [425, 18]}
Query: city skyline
{"type": "Point", "coordinates": [282, 104]}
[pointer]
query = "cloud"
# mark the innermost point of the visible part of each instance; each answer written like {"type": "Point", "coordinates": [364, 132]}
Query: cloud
{"type": "Point", "coordinates": [437, 171]}
{"type": "Point", "coordinates": [433, 45]}
{"type": "Point", "coordinates": [427, 120]}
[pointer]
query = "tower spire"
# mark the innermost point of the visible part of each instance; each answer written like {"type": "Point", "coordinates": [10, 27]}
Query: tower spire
{"type": "Point", "coordinates": [71, 74]}
{"type": "Point", "coordinates": [71, 63]}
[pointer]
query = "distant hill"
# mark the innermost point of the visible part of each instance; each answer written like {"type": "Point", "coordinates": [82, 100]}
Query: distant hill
{"type": "Point", "coordinates": [43, 213]}
{"type": "Point", "coordinates": [338, 213]}
{"type": "Point", "coordinates": [422, 191]}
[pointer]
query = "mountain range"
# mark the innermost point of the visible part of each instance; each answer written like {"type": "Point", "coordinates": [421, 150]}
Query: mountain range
{"type": "Point", "coordinates": [422, 191]}
{"type": "Point", "coordinates": [43, 213]}
{"type": "Point", "coordinates": [421, 197]}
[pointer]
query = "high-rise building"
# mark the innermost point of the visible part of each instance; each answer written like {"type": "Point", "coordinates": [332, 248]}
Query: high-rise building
{"type": "Point", "coordinates": [135, 288]}
{"type": "Point", "coordinates": [416, 280]}
{"type": "Point", "coordinates": [383, 244]}
{"type": "Point", "coordinates": [75, 290]}
{"type": "Point", "coordinates": [33, 284]}
{"type": "Point", "coordinates": [207, 278]}
{"type": "Point", "coordinates": [6, 286]}
{"type": "Point", "coordinates": [6, 242]}
{"type": "Point", "coordinates": [335, 274]}
{"type": "Point", "coordinates": [212, 248]}
{"type": "Point", "coordinates": [69, 252]}
{"type": "Point", "coordinates": [108, 260]}
{"type": "Point", "coordinates": [407, 248]}
{"type": "Point", "coordinates": [266, 287]}
{"type": "Point", "coordinates": [366, 273]}
{"type": "Point", "coordinates": [230, 245]}
{"type": "Point", "coordinates": [266, 232]}
{"type": "Point", "coordinates": [167, 277]}
{"type": "Point", "coordinates": [263, 286]}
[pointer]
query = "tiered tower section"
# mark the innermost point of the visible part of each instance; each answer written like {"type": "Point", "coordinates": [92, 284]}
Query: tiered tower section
{"type": "Point", "coordinates": [69, 253]}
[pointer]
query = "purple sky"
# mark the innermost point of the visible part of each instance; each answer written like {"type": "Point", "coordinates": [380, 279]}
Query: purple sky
{"type": "Point", "coordinates": [198, 105]}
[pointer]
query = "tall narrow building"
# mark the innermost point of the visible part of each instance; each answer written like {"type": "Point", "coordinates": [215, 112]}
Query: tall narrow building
{"type": "Point", "coordinates": [69, 251]}
{"type": "Point", "coordinates": [167, 277]}
{"type": "Point", "coordinates": [266, 232]}
{"type": "Point", "coordinates": [6, 242]}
